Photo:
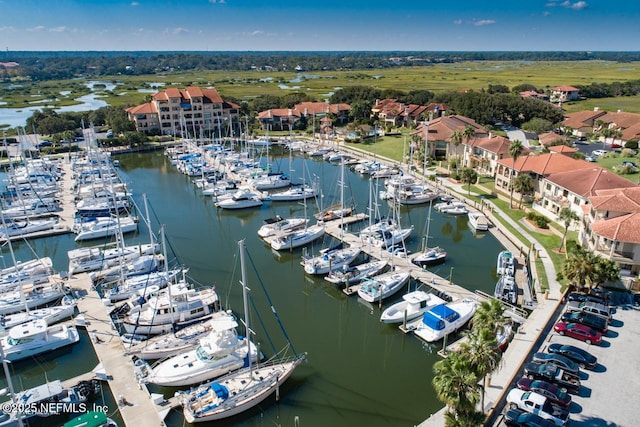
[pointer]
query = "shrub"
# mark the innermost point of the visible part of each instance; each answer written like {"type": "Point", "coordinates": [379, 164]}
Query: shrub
{"type": "Point", "coordinates": [540, 220]}
{"type": "Point", "coordinates": [631, 144]}
{"type": "Point", "coordinates": [628, 152]}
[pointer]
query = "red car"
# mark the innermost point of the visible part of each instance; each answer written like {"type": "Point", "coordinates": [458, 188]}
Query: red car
{"type": "Point", "coordinates": [579, 332]}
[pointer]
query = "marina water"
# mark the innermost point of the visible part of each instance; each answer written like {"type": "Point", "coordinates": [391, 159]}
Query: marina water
{"type": "Point", "coordinates": [359, 370]}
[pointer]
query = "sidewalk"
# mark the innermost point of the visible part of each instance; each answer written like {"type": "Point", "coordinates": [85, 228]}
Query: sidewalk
{"type": "Point", "coordinates": [527, 335]}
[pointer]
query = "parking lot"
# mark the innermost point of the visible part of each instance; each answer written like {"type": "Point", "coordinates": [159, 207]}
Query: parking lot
{"type": "Point", "coordinates": [608, 394]}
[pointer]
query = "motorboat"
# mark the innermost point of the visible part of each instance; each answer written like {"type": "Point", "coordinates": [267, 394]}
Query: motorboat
{"type": "Point", "coordinates": [352, 275]}
{"type": "Point", "coordinates": [52, 396]}
{"type": "Point", "coordinates": [33, 209]}
{"type": "Point", "coordinates": [131, 286]}
{"type": "Point", "coordinates": [172, 308]}
{"type": "Point", "coordinates": [478, 221]}
{"type": "Point", "coordinates": [34, 272]}
{"type": "Point", "coordinates": [22, 228]}
{"type": "Point", "coordinates": [334, 212]}
{"type": "Point", "coordinates": [331, 259]}
{"type": "Point", "coordinates": [279, 225]}
{"type": "Point", "coordinates": [390, 237]}
{"type": "Point", "coordinates": [83, 260]}
{"type": "Point", "coordinates": [293, 194]}
{"type": "Point", "coordinates": [506, 289]}
{"type": "Point", "coordinates": [430, 256]}
{"type": "Point", "coordinates": [29, 296]}
{"type": "Point", "coordinates": [142, 265]}
{"type": "Point", "coordinates": [263, 141]}
{"type": "Point", "coordinates": [272, 182]}
{"type": "Point", "coordinates": [413, 305]}
{"type": "Point", "coordinates": [104, 227]}
{"type": "Point", "coordinates": [379, 287]}
{"type": "Point", "coordinates": [296, 238]}
{"type": "Point", "coordinates": [241, 199]}
{"type": "Point", "coordinates": [51, 315]}
{"type": "Point", "coordinates": [91, 419]}
{"type": "Point", "coordinates": [455, 209]}
{"type": "Point", "coordinates": [187, 338]}
{"type": "Point", "coordinates": [36, 337]}
{"type": "Point", "coordinates": [416, 196]}
{"type": "Point", "coordinates": [506, 264]}
{"type": "Point", "coordinates": [218, 353]}
{"type": "Point", "coordinates": [443, 319]}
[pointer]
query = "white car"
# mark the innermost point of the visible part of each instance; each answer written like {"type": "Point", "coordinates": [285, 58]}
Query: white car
{"type": "Point", "coordinates": [537, 404]}
{"type": "Point", "coordinates": [598, 153]}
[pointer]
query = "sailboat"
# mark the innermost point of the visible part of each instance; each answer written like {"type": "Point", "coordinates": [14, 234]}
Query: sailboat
{"type": "Point", "coordinates": [241, 390]}
{"type": "Point", "coordinates": [429, 256]}
{"type": "Point", "coordinates": [296, 192]}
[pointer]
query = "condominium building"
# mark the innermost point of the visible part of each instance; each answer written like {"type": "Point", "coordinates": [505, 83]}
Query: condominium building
{"type": "Point", "coordinates": [191, 111]}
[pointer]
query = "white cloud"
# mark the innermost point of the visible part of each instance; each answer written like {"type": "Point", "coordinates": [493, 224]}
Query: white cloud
{"type": "Point", "coordinates": [458, 22]}
{"type": "Point", "coordinates": [546, 13]}
{"type": "Point", "coordinates": [256, 33]}
{"type": "Point", "coordinates": [484, 22]}
{"type": "Point", "coordinates": [579, 5]}
{"type": "Point", "coordinates": [180, 30]}
{"type": "Point", "coordinates": [7, 29]}
{"type": "Point", "coordinates": [135, 3]}
{"type": "Point", "coordinates": [60, 29]}
{"type": "Point", "coordinates": [216, 1]}
{"type": "Point", "coordinates": [36, 28]}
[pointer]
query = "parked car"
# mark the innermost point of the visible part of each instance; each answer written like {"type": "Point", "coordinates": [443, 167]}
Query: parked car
{"type": "Point", "coordinates": [558, 360]}
{"type": "Point", "coordinates": [598, 153]}
{"type": "Point", "coordinates": [578, 296]}
{"type": "Point", "coordinates": [554, 374]}
{"type": "Point", "coordinates": [590, 159]}
{"type": "Point", "coordinates": [590, 307]}
{"type": "Point", "coordinates": [537, 404]}
{"type": "Point", "coordinates": [520, 418]}
{"type": "Point", "coordinates": [109, 133]}
{"type": "Point", "coordinates": [548, 390]}
{"type": "Point", "coordinates": [579, 332]}
{"type": "Point", "coordinates": [632, 164]}
{"type": "Point", "coordinates": [591, 320]}
{"type": "Point", "coordinates": [578, 355]}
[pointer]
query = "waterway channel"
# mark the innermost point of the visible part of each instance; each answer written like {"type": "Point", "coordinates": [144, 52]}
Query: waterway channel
{"type": "Point", "coordinates": [359, 371]}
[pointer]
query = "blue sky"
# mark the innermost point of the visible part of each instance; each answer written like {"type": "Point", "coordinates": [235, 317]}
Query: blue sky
{"type": "Point", "coordinates": [214, 25]}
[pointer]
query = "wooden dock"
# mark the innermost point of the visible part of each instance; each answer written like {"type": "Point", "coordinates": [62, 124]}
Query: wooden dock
{"type": "Point", "coordinates": [119, 370]}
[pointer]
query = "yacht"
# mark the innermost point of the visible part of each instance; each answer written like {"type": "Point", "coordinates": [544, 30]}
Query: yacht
{"type": "Point", "coordinates": [29, 296]}
{"type": "Point", "coordinates": [131, 286]}
{"type": "Point", "coordinates": [22, 228]}
{"type": "Point", "coordinates": [412, 305]}
{"type": "Point", "coordinates": [478, 221]}
{"type": "Point", "coordinates": [36, 337]}
{"type": "Point", "coordinates": [272, 182]}
{"type": "Point", "coordinates": [293, 194]}
{"type": "Point", "coordinates": [241, 199]}
{"type": "Point", "coordinates": [82, 260]}
{"type": "Point", "coordinates": [104, 227]}
{"type": "Point", "coordinates": [506, 264]}
{"type": "Point", "coordinates": [347, 276]}
{"type": "Point", "coordinates": [296, 238]}
{"type": "Point", "coordinates": [218, 353]}
{"type": "Point", "coordinates": [331, 259]}
{"type": "Point", "coordinates": [173, 308]}
{"type": "Point", "coordinates": [506, 289]}
{"type": "Point", "coordinates": [443, 319]}
{"type": "Point", "coordinates": [278, 225]}
{"type": "Point", "coordinates": [430, 256]}
{"type": "Point", "coordinates": [51, 315]}
{"type": "Point", "coordinates": [384, 285]}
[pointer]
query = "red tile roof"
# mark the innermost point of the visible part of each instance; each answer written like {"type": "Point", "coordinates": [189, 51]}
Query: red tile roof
{"type": "Point", "coordinates": [622, 228]}
{"type": "Point", "coordinates": [278, 112]}
{"type": "Point", "coordinates": [316, 108]}
{"type": "Point", "coordinates": [562, 149]}
{"type": "Point", "coordinates": [493, 144]}
{"type": "Point", "coordinates": [588, 182]}
{"type": "Point", "coordinates": [550, 137]}
{"type": "Point", "coordinates": [146, 108]}
{"type": "Point", "coordinates": [441, 128]}
{"type": "Point", "coordinates": [565, 89]}
{"type": "Point", "coordinates": [580, 119]}
{"type": "Point", "coordinates": [545, 164]}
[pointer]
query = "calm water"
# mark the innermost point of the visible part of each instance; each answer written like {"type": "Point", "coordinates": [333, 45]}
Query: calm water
{"type": "Point", "coordinates": [360, 372]}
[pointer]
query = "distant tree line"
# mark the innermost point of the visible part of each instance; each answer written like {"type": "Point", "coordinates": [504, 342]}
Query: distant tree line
{"type": "Point", "coordinates": [41, 66]}
{"type": "Point", "coordinates": [607, 90]}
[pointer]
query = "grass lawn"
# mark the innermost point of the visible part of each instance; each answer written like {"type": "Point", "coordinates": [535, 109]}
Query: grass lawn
{"type": "Point", "coordinates": [611, 162]}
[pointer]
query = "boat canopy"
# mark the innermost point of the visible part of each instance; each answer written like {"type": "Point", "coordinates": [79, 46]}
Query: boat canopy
{"type": "Point", "coordinates": [433, 321]}
{"type": "Point", "coordinates": [444, 312]}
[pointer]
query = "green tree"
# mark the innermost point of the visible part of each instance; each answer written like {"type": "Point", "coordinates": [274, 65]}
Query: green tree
{"type": "Point", "coordinates": [469, 176]}
{"type": "Point", "coordinates": [456, 139]}
{"type": "Point", "coordinates": [482, 350]}
{"type": "Point", "coordinates": [489, 315]}
{"type": "Point", "coordinates": [523, 184]}
{"type": "Point", "coordinates": [456, 384]}
{"type": "Point", "coordinates": [579, 268]}
{"type": "Point", "coordinates": [515, 150]}
{"type": "Point", "coordinates": [567, 217]}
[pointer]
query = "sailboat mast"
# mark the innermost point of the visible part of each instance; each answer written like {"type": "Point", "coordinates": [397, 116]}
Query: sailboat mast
{"type": "Point", "coordinates": [245, 298]}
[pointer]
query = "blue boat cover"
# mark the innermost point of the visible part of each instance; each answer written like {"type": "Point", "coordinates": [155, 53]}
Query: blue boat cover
{"type": "Point", "coordinates": [433, 322]}
{"type": "Point", "coordinates": [444, 312]}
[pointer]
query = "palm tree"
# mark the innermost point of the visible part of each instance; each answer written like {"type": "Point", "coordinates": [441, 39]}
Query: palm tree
{"type": "Point", "coordinates": [523, 184]}
{"type": "Point", "coordinates": [580, 267]}
{"type": "Point", "coordinates": [489, 315]}
{"type": "Point", "coordinates": [515, 150]}
{"type": "Point", "coordinates": [482, 350]}
{"type": "Point", "coordinates": [456, 139]}
{"type": "Point", "coordinates": [456, 384]}
{"type": "Point", "coordinates": [567, 217]}
{"type": "Point", "coordinates": [469, 176]}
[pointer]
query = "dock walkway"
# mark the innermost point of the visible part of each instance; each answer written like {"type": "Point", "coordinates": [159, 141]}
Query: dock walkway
{"type": "Point", "coordinates": [139, 409]}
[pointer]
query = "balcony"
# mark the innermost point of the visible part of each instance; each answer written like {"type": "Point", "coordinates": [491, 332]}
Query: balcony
{"type": "Point", "coordinates": [558, 200]}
